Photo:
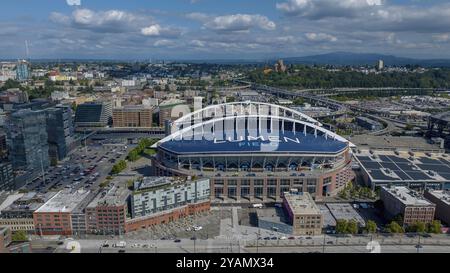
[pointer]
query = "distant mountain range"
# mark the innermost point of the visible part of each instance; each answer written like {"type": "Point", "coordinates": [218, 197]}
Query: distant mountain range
{"type": "Point", "coordinates": [346, 58]}
{"type": "Point", "coordinates": [334, 58]}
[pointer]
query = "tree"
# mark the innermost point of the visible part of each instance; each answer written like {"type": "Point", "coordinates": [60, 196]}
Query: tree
{"type": "Point", "coordinates": [299, 101]}
{"type": "Point", "coordinates": [119, 167]}
{"type": "Point", "coordinates": [371, 227]}
{"type": "Point", "coordinates": [394, 227]}
{"type": "Point", "coordinates": [19, 236]}
{"type": "Point", "coordinates": [398, 218]}
{"type": "Point", "coordinates": [435, 227]}
{"type": "Point", "coordinates": [341, 226]}
{"type": "Point", "coordinates": [352, 227]}
{"type": "Point", "coordinates": [418, 227]}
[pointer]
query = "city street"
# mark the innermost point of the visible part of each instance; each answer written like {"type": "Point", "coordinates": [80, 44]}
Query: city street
{"type": "Point", "coordinates": [441, 244]}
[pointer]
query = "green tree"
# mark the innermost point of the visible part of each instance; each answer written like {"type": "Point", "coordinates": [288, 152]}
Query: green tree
{"type": "Point", "coordinates": [371, 227]}
{"type": "Point", "coordinates": [418, 227]}
{"type": "Point", "coordinates": [394, 227]}
{"type": "Point", "coordinates": [352, 227]}
{"type": "Point", "coordinates": [299, 101]}
{"type": "Point", "coordinates": [341, 226]}
{"type": "Point", "coordinates": [119, 167]}
{"type": "Point", "coordinates": [19, 236]}
{"type": "Point", "coordinates": [435, 227]}
{"type": "Point", "coordinates": [398, 218]}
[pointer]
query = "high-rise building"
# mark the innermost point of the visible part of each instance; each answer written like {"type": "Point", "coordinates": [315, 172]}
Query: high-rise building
{"type": "Point", "coordinates": [3, 147]}
{"type": "Point", "coordinates": [27, 137]}
{"type": "Point", "coordinates": [6, 176]}
{"type": "Point", "coordinates": [280, 66]}
{"type": "Point", "coordinates": [380, 65]}
{"type": "Point", "coordinates": [133, 116]}
{"type": "Point", "coordinates": [60, 131]}
{"type": "Point", "coordinates": [93, 114]}
{"type": "Point", "coordinates": [22, 71]}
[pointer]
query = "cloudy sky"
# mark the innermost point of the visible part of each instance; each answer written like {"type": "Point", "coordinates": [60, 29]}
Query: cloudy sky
{"type": "Point", "coordinates": [232, 29]}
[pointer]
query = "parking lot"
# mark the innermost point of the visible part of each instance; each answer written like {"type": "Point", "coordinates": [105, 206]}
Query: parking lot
{"type": "Point", "coordinates": [183, 228]}
{"type": "Point", "coordinates": [84, 168]}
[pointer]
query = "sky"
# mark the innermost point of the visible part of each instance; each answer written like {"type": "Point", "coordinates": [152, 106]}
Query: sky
{"type": "Point", "coordinates": [222, 29]}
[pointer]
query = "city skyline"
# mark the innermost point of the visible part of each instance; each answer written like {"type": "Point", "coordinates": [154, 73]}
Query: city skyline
{"type": "Point", "coordinates": [205, 29]}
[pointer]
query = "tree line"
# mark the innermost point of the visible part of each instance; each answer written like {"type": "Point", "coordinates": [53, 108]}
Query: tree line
{"type": "Point", "coordinates": [313, 77]}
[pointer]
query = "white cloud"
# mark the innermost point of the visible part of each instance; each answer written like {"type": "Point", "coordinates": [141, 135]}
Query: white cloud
{"type": "Point", "coordinates": [73, 2]}
{"type": "Point", "coordinates": [326, 8]}
{"type": "Point", "coordinates": [240, 22]}
{"type": "Point", "coordinates": [197, 43]}
{"type": "Point", "coordinates": [110, 21]}
{"type": "Point", "coordinates": [153, 30]}
{"type": "Point", "coordinates": [198, 16]}
{"type": "Point", "coordinates": [164, 43]}
{"type": "Point", "coordinates": [320, 37]}
{"type": "Point", "coordinates": [156, 30]}
{"type": "Point", "coordinates": [60, 18]}
{"type": "Point", "coordinates": [441, 38]}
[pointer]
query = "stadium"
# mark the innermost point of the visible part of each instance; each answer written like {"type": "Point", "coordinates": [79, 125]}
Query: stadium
{"type": "Point", "coordinates": [253, 152]}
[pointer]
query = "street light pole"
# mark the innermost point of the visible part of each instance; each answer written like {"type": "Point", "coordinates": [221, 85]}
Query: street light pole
{"type": "Point", "coordinates": [418, 245]}
{"type": "Point", "coordinates": [257, 240]}
{"type": "Point", "coordinates": [42, 165]}
{"type": "Point", "coordinates": [324, 236]}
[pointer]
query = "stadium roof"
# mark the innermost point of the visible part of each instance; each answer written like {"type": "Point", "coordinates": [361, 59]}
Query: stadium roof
{"type": "Point", "coordinates": [230, 143]}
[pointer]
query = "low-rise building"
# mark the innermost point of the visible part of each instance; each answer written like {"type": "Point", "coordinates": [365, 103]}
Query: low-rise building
{"type": "Point", "coordinates": [157, 200]}
{"type": "Point", "coordinates": [133, 116]}
{"type": "Point", "coordinates": [411, 205]}
{"type": "Point", "coordinates": [442, 201]}
{"type": "Point", "coordinates": [303, 213]}
{"type": "Point", "coordinates": [5, 239]}
{"type": "Point", "coordinates": [107, 213]}
{"type": "Point", "coordinates": [369, 124]}
{"type": "Point", "coordinates": [55, 216]}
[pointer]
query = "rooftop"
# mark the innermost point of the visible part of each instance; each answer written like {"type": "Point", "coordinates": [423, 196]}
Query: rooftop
{"type": "Point", "coordinates": [445, 116]}
{"type": "Point", "coordinates": [134, 107]}
{"type": "Point", "coordinates": [229, 142]}
{"type": "Point", "coordinates": [114, 195]}
{"type": "Point", "coordinates": [64, 201]}
{"type": "Point", "coordinates": [171, 102]}
{"type": "Point", "coordinates": [389, 166]}
{"type": "Point", "coordinates": [444, 196]}
{"type": "Point", "coordinates": [345, 211]}
{"type": "Point", "coordinates": [393, 142]}
{"type": "Point", "coordinates": [8, 199]}
{"type": "Point", "coordinates": [407, 196]}
{"type": "Point", "coordinates": [156, 182]}
{"type": "Point", "coordinates": [301, 203]}
{"type": "Point", "coordinates": [29, 201]}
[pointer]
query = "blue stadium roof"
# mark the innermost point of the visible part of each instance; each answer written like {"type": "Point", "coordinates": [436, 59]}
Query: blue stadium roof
{"type": "Point", "coordinates": [290, 142]}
